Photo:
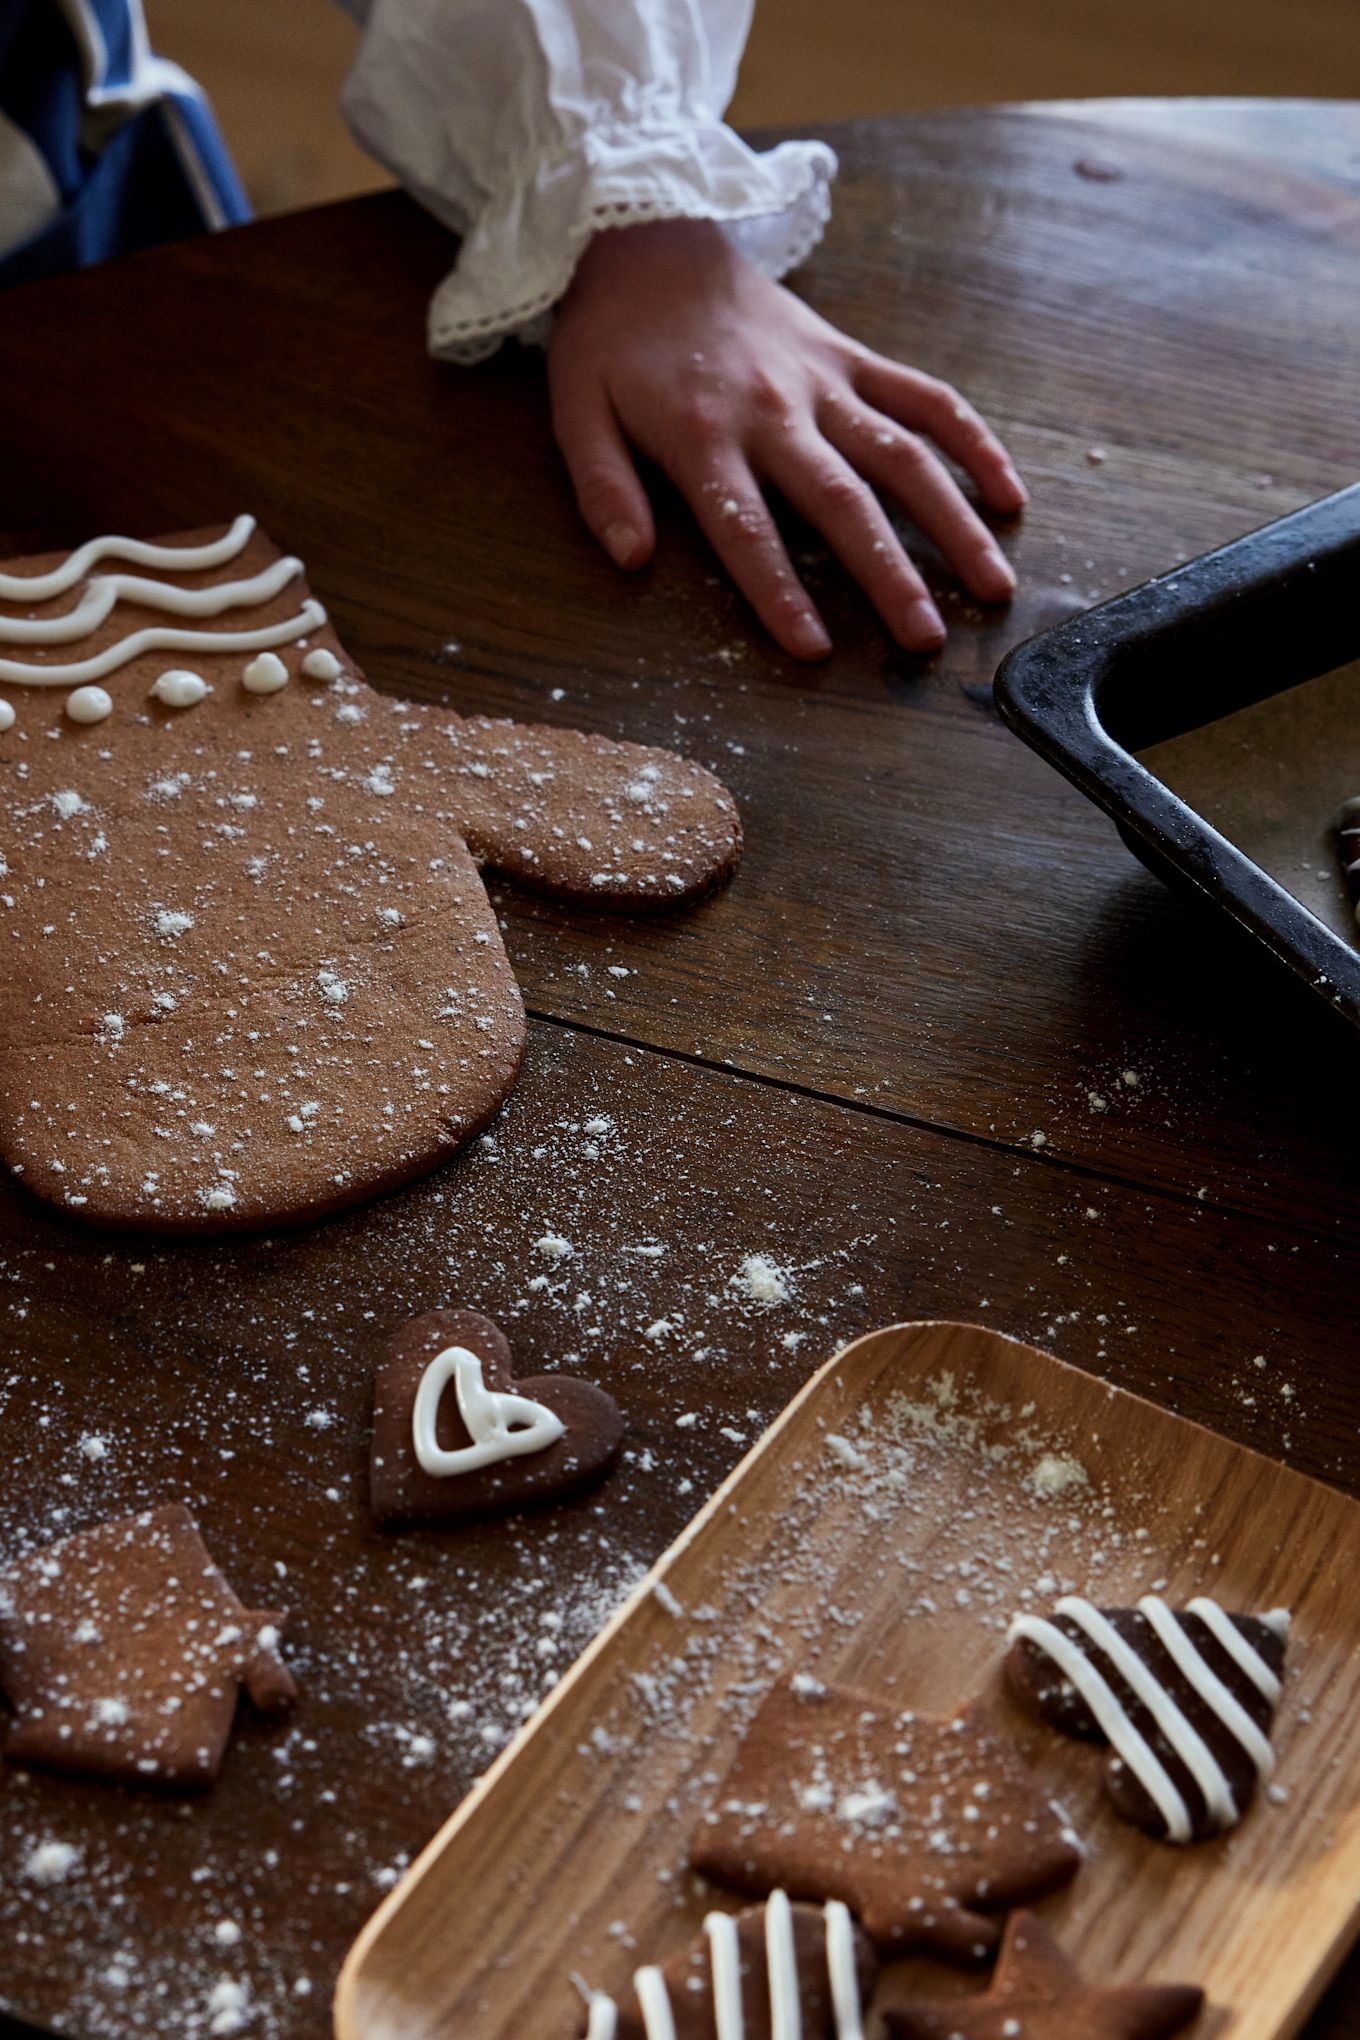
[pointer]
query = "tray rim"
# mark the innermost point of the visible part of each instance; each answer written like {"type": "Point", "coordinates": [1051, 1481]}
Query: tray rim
{"type": "Point", "coordinates": [1045, 691]}
{"type": "Point", "coordinates": [345, 2008]}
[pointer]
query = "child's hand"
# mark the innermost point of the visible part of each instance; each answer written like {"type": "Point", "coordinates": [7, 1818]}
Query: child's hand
{"type": "Point", "coordinates": [671, 340]}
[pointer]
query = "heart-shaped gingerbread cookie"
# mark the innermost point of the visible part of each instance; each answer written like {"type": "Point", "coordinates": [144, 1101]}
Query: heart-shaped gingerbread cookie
{"type": "Point", "coordinates": [455, 1436]}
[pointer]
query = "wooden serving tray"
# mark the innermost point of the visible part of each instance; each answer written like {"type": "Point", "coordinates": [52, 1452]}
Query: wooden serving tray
{"type": "Point", "coordinates": [926, 1483]}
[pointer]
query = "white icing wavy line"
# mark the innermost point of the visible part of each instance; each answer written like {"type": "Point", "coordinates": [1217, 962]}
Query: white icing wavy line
{"type": "Point", "coordinates": [108, 589]}
{"type": "Point", "coordinates": [165, 638]}
{"type": "Point", "coordinates": [724, 1955]}
{"type": "Point", "coordinates": [187, 558]}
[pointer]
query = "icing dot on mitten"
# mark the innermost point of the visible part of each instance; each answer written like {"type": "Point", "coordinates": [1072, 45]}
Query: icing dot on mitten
{"type": "Point", "coordinates": [265, 675]}
{"type": "Point", "coordinates": [179, 689]}
{"type": "Point", "coordinates": [89, 705]}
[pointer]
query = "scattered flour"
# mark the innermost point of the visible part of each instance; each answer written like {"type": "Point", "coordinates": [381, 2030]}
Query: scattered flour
{"type": "Point", "coordinates": [553, 1247]}
{"type": "Point", "coordinates": [1056, 1474]}
{"type": "Point", "coordinates": [51, 1863]}
{"type": "Point", "coordinates": [763, 1280]}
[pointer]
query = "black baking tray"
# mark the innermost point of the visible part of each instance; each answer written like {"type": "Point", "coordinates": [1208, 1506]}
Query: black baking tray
{"type": "Point", "coordinates": [1271, 610]}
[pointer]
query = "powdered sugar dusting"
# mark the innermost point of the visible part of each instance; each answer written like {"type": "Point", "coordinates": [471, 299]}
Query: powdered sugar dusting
{"type": "Point", "coordinates": [413, 1672]}
{"type": "Point", "coordinates": [50, 1863]}
{"type": "Point", "coordinates": [762, 1280]}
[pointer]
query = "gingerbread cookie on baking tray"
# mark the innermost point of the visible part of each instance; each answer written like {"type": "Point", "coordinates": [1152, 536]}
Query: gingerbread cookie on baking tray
{"type": "Point", "coordinates": [774, 1970]}
{"type": "Point", "coordinates": [1036, 1993]}
{"type": "Point", "coordinates": [1184, 1698]}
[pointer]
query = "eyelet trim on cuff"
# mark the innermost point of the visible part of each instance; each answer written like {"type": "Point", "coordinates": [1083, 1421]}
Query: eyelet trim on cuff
{"type": "Point", "coordinates": [804, 208]}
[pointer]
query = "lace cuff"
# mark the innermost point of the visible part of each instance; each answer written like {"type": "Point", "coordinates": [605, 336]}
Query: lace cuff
{"type": "Point", "coordinates": [520, 253]}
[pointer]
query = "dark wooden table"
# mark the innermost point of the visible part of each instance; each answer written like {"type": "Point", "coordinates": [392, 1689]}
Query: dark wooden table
{"type": "Point", "coordinates": [942, 1049]}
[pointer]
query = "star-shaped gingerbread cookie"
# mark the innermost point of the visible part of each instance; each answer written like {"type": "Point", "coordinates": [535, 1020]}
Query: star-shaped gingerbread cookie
{"type": "Point", "coordinates": [924, 1825]}
{"type": "Point", "coordinates": [252, 973]}
{"type": "Point", "coordinates": [1037, 1994]}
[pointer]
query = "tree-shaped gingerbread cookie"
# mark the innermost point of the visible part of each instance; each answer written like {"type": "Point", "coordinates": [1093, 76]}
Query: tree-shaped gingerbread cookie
{"type": "Point", "coordinates": [773, 1972]}
{"type": "Point", "coordinates": [252, 974]}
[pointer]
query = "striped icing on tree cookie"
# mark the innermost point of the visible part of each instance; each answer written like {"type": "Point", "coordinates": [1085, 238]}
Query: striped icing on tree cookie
{"type": "Point", "coordinates": [777, 1971]}
{"type": "Point", "coordinates": [1183, 1697]}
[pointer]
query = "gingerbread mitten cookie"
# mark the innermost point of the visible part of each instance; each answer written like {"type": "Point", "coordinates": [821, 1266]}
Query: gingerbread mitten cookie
{"type": "Point", "coordinates": [1036, 1992]}
{"type": "Point", "coordinates": [456, 1436]}
{"type": "Point", "coordinates": [255, 975]}
{"type": "Point", "coordinates": [774, 1970]}
{"type": "Point", "coordinates": [122, 1650]}
{"type": "Point", "coordinates": [1184, 1698]}
{"type": "Point", "coordinates": [922, 1824]}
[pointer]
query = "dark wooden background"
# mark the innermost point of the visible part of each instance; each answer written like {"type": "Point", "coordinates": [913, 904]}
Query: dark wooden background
{"type": "Point", "coordinates": [875, 1058]}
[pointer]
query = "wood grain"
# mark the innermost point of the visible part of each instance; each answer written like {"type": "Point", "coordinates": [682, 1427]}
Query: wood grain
{"type": "Point", "coordinates": [1022, 960]}
{"type": "Point", "coordinates": [854, 1575]}
{"type": "Point", "coordinates": [987, 954]}
{"type": "Point", "coordinates": [204, 1368]}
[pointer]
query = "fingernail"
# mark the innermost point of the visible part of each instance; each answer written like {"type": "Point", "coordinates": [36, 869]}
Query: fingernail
{"type": "Point", "coordinates": [1021, 492]}
{"type": "Point", "coordinates": [621, 543]}
{"type": "Point", "coordinates": [997, 578]}
{"type": "Point", "coordinates": [923, 626]}
{"type": "Point", "coordinates": [808, 638]}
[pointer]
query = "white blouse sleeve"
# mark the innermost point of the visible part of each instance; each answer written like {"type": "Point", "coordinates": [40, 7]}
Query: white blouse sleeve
{"type": "Point", "coordinates": [529, 125]}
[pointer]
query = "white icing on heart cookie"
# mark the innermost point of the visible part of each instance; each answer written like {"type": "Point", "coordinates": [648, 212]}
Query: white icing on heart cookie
{"type": "Point", "coordinates": [500, 1426]}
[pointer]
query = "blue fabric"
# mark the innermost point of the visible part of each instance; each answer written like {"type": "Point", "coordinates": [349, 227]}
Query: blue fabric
{"type": "Point", "coordinates": [115, 23]}
{"type": "Point", "coordinates": [41, 87]}
{"type": "Point", "coordinates": [142, 176]}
